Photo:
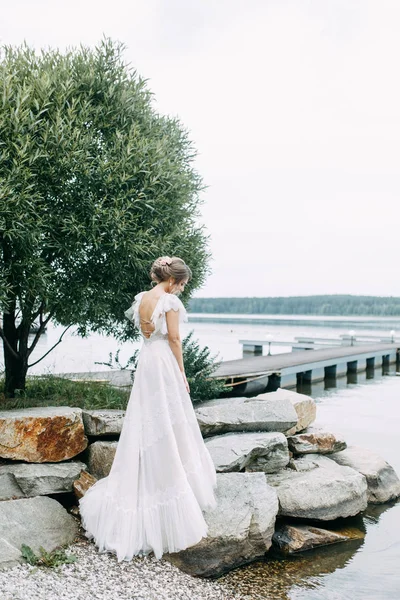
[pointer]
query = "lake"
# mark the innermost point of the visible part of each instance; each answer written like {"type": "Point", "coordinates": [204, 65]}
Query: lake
{"type": "Point", "coordinates": [365, 412]}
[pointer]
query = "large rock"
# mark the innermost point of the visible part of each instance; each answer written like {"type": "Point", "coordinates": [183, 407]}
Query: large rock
{"type": "Point", "coordinates": [289, 539]}
{"type": "Point", "coordinates": [383, 483]}
{"type": "Point", "coordinates": [265, 413]}
{"type": "Point", "coordinates": [240, 528]}
{"type": "Point", "coordinates": [103, 422]}
{"type": "Point", "coordinates": [42, 434]}
{"type": "Point", "coordinates": [304, 406]}
{"type": "Point", "coordinates": [254, 451]}
{"type": "Point", "coordinates": [23, 480]}
{"type": "Point", "coordinates": [319, 488]}
{"type": "Point", "coordinates": [35, 522]}
{"type": "Point", "coordinates": [101, 456]}
{"type": "Point", "coordinates": [312, 441]}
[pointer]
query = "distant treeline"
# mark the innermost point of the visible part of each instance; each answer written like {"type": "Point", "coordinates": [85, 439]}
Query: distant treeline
{"type": "Point", "coordinates": [300, 305]}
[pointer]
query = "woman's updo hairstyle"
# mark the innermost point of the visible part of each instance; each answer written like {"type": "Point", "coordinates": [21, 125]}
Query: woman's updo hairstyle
{"type": "Point", "coordinates": [165, 267]}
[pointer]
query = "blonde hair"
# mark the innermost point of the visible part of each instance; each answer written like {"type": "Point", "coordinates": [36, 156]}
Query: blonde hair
{"type": "Point", "coordinates": [165, 267]}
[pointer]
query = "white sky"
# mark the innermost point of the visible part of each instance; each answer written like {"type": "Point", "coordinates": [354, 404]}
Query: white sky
{"type": "Point", "coordinates": [294, 107]}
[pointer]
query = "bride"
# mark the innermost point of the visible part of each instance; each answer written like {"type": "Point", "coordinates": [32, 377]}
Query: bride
{"type": "Point", "coordinates": [162, 475]}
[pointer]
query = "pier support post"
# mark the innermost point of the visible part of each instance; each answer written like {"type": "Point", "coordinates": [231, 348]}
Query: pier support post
{"type": "Point", "coordinates": [252, 349]}
{"type": "Point", "coordinates": [352, 367]}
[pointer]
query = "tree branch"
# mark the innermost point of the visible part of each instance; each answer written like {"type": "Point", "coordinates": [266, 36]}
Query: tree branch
{"type": "Point", "coordinates": [52, 348]}
{"type": "Point", "coordinates": [39, 332]}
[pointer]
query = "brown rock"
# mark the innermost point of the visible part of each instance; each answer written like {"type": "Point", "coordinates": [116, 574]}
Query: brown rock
{"type": "Point", "coordinates": [83, 483]}
{"type": "Point", "coordinates": [315, 441]}
{"type": "Point", "coordinates": [290, 539]}
{"type": "Point", "coordinates": [42, 434]}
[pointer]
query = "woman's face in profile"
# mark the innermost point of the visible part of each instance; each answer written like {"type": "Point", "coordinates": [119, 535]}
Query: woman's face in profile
{"type": "Point", "coordinates": [180, 287]}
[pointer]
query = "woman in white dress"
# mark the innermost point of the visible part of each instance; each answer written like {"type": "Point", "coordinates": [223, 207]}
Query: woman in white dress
{"type": "Point", "coordinates": [162, 475]}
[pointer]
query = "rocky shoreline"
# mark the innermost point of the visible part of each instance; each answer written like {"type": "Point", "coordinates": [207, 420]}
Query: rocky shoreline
{"type": "Point", "coordinates": [277, 478]}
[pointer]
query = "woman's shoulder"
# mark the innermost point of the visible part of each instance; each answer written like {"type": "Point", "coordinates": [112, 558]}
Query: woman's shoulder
{"type": "Point", "coordinates": [132, 312]}
{"type": "Point", "coordinates": [172, 302]}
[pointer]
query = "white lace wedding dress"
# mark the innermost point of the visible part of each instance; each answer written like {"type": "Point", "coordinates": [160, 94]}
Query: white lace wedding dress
{"type": "Point", "coordinates": [162, 475]}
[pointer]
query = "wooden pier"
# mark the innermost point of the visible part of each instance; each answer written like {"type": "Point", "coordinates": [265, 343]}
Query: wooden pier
{"type": "Point", "coordinates": [255, 374]}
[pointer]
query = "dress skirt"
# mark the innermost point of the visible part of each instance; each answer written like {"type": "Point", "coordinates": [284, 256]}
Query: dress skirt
{"type": "Point", "coordinates": [162, 476]}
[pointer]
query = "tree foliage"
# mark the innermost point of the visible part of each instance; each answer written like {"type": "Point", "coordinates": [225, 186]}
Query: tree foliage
{"type": "Point", "coordinates": [94, 185]}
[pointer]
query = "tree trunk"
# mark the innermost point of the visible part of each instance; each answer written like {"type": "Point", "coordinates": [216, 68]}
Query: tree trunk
{"type": "Point", "coordinates": [16, 358]}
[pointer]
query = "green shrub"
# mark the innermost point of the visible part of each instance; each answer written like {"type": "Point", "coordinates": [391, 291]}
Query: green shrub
{"type": "Point", "coordinates": [199, 366]}
{"type": "Point", "coordinates": [55, 558]}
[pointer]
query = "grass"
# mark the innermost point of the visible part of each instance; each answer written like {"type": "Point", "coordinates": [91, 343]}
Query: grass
{"type": "Point", "coordinates": [55, 558]}
{"type": "Point", "coordinates": [48, 390]}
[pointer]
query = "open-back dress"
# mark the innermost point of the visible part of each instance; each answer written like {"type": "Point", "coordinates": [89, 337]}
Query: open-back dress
{"type": "Point", "coordinates": [162, 475]}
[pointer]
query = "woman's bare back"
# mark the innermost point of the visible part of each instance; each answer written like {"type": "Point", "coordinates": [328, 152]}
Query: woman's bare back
{"type": "Point", "coordinates": [146, 310]}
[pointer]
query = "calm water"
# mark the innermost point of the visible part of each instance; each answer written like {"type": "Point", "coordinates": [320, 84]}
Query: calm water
{"type": "Point", "coordinates": [366, 413]}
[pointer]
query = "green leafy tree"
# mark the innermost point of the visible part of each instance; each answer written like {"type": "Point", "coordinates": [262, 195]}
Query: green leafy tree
{"type": "Point", "coordinates": [94, 185]}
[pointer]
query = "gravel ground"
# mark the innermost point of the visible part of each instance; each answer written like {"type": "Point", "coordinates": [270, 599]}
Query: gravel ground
{"type": "Point", "coordinates": [100, 576]}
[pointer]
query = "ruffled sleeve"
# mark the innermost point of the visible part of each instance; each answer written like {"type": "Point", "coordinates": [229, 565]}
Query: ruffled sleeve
{"type": "Point", "coordinates": [172, 302]}
{"type": "Point", "coordinates": [133, 311]}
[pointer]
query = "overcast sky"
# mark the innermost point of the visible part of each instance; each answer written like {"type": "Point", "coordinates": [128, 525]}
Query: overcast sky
{"type": "Point", "coordinates": [294, 107]}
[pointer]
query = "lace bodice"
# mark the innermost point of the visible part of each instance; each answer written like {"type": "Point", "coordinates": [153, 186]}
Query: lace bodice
{"type": "Point", "coordinates": [165, 303]}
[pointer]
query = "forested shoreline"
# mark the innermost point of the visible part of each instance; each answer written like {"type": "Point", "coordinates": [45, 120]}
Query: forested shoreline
{"type": "Point", "coordinates": [336, 305]}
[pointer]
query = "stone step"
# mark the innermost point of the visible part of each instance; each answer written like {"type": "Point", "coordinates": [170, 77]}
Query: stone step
{"type": "Point", "coordinates": [24, 480]}
{"type": "Point", "coordinates": [240, 528]}
{"type": "Point", "coordinates": [35, 522]}
{"type": "Point", "coordinates": [42, 434]}
{"type": "Point", "coordinates": [318, 488]}
{"type": "Point", "coordinates": [245, 414]}
{"type": "Point", "coordinates": [383, 482]}
{"type": "Point", "coordinates": [252, 451]}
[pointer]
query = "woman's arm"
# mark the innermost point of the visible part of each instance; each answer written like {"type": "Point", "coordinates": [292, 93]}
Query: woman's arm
{"type": "Point", "coordinates": [174, 339]}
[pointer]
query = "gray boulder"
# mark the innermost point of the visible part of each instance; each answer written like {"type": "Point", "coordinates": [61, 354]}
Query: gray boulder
{"type": "Point", "coordinates": [35, 522]}
{"type": "Point", "coordinates": [240, 528]}
{"type": "Point", "coordinates": [103, 422]}
{"type": "Point", "coordinates": [101, 455]}
{"type": "Point", "coordinates": [305, 407]}
{"type": "Point", "coordinates": [383, 483]}
{"type": "Point", "coordinates": [23, 480]}
{"type": "Point", "coordinates": [253, 451]}
{"type": "Point", "coordinates": [245, 414]}
{"type": "Point", "coordinates": [318, 488]}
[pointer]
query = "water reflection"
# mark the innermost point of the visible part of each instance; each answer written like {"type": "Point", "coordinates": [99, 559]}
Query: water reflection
{"type": "Point", "coordinates": [276, 577]}
{"type": "Point", "coordinates": [315, 389]}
